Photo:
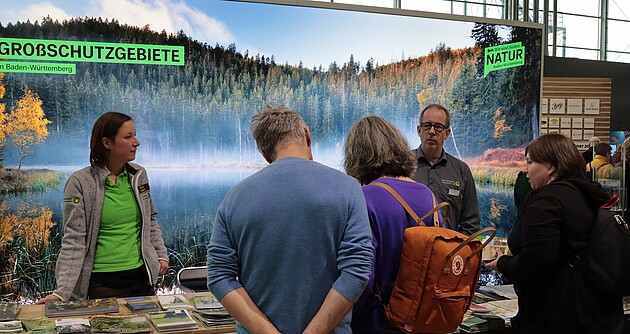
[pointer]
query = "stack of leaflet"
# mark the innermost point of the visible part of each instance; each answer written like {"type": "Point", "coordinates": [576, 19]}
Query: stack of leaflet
{"type": "Point", "coordinates": [174, 320]}
{"type": "Point", "coordinates": [141, 304]}
{"type": "Point", "coordinates": [476, 324]}
{"type": "Point", "coordinates": [492, 309]}
{"type": "Point", "coordinates": [14, 326]}
{"type": "Point", "coordinates": [8, 313]}
{"type": "Point", "coordinates": [209, 310]}
{"type": "Point", "coordinates": [214, 317]}
{"type": "Point", "coordinates": [80, 307]}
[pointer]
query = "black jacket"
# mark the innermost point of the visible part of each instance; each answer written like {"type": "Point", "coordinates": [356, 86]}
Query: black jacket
{"type": "Point", "coordinates": [554, 224]}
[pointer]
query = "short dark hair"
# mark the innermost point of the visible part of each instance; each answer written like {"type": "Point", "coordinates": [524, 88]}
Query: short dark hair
{"type": "Point", "coordinates": [438, 106]}
{"type": "Point", "coordinates": [106, 126]}
{"type": "Point", "coordinates": [560, 152]}
{"type": "Point", "coordinates": [275, 126]}
{"type": "Point", "coordinates": [374, 148]}
{"type": "Point", "coordinates": [602, 149]}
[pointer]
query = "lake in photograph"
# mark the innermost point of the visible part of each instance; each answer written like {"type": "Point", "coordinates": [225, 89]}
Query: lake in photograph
{"type": "Point", "coordinates": [187, 198]}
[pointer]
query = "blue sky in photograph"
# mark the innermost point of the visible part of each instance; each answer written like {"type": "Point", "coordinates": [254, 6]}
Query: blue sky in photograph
{"type": "Point", "coordinates": [291, 34]}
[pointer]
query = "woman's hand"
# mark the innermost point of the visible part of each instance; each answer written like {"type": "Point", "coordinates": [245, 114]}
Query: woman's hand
{"type": "Point", "coordinates": [493, 265]}
{"type": "Point", "coordinates": [47, 298]}
{"type": "Point", "coordinates": [163, 267]}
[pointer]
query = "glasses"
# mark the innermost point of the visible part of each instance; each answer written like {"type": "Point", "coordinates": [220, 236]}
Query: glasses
{"type": "Point", "coordinates": [426, 126]}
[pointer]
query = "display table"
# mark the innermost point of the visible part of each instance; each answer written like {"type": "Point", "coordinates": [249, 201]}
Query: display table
{"type": "Point", "coordinates": [33, 311]}
{"type": "Point", "coordinates": [491, 310]}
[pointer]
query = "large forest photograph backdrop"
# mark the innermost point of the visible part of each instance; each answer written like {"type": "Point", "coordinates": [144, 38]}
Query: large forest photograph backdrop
{"type": "Point", "coordinates": [331, 66]}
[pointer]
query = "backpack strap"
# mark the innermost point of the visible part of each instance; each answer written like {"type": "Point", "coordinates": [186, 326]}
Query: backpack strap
{"type": "Point", "coordinates": [614, 199]}
{"type": "Point", "coordinates": [470, 239]}
{"type": "Point", "coordinates": [418, 220]}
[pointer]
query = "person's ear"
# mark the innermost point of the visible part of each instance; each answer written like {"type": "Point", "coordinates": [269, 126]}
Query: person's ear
{"type": "Point", "coordinates": [106, 142]}
{"type": "Point", "coordinates": [307, 133]}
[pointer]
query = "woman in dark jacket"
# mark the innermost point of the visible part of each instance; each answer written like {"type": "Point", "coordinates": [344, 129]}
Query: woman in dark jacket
{"type": "Point", "coordinates": [554, 225]}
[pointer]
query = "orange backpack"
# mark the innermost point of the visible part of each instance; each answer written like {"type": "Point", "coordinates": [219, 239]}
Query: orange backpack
{"type": "Point", "coordinates": [438, 274]}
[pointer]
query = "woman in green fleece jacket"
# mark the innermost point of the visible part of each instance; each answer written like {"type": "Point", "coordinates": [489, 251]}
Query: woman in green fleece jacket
{"type": "Point", "coordinates": [112, 244]}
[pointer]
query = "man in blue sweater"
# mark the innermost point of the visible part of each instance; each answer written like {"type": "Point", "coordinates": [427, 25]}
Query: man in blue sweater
{"type": "Point", "coordinates": [291, 245]}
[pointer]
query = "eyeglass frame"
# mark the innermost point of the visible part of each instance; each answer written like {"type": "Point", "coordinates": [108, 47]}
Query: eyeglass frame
{"type": "Point", "coordinates": [426, 126]}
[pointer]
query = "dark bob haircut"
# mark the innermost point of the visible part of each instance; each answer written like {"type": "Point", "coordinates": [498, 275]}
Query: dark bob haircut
{"type": "Point", "coordinates": [560, 152]}
{"type": "Point", "coordinates": [106, 126]}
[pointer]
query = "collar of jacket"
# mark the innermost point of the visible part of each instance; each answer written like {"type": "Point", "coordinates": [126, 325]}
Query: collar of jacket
{"type": "Point", "coordinates": [102, 172]}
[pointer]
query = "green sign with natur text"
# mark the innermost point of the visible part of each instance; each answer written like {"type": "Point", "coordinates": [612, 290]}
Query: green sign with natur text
{"type": "Point", "coordinates": [503, 56]}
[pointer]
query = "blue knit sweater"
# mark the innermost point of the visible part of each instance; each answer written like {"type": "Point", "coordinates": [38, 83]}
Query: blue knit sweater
{"type": "Point", "coordinates": [288, 234]}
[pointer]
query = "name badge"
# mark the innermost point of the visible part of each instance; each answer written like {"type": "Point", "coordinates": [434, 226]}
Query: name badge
{"type": "Point", "coordinates": [143, 188]}
{"type": "Point", "coordinates": [453, 192]}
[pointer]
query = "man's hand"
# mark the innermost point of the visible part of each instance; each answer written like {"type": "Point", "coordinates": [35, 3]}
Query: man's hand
{"type": "Point", "coordinates": [241, 307]}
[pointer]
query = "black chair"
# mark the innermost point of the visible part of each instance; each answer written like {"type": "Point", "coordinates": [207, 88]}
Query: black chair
{"type": "Point", "coordinates": [193, 279]}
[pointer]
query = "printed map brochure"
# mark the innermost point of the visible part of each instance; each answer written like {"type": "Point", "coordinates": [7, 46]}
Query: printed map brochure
{"type": "Point", "coordinates": [80, 307]}
{"type": "Point", "coordinates": [120, 324]}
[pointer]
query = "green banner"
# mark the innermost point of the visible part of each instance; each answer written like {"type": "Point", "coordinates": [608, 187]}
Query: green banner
{"type": "Point", "coordinates": [42, 68]}
{"type": "Point", "coordinates": [97, 52]}
{"type": "Point", "coordinates": [504, 56]}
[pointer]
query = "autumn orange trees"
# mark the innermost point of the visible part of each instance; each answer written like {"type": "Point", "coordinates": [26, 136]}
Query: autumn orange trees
{"type": "Point", "coordinates": [26, 124]}
{"type": "Point", "coordinates": [24, 233]}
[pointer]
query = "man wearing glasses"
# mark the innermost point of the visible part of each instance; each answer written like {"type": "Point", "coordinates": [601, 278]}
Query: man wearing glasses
{"type": "Point", "coordinates": [449, 178]}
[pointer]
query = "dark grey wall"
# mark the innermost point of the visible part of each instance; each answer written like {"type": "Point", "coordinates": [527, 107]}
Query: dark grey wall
{"type": "Point", "coordinates": [619, 72]}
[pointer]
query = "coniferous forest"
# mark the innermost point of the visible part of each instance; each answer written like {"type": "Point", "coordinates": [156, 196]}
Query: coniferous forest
{"type": "Point", "coordinates": [200, 113]}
